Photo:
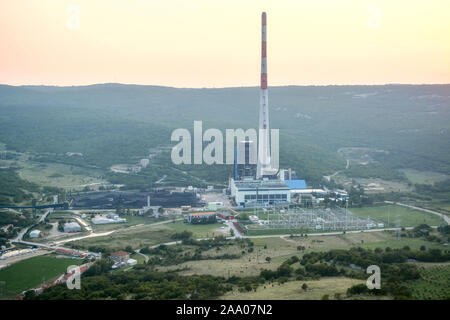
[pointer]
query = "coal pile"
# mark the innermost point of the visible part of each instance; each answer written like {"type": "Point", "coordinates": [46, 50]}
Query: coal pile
{"type": "Point", "coordinates": [114, 199]}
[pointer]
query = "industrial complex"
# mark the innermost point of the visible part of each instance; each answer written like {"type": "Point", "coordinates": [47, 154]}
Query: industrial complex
{"type": "Point", "coordinates": [260, 183]}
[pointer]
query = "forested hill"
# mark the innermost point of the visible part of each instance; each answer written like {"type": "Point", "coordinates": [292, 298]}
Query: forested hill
{"type": "Point", "coordinates": [113, 123]}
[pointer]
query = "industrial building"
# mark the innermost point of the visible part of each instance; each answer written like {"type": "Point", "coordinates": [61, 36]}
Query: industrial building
{"type": "Point", "coordinates": [246, 169]}
{"type": "Point", "coordinates": [72, 227]}
{"type": "Point", "coordinates": [78, 253]}
{"type": "Point", "coordinates": [201, 217]}
{"type": "Point", "coordinates": [35, 234]}
{"type": "Point", "coordinates": [103, 220]}
{"type": "Point", "coordinates": [255, 181]}
{"type": "Point", "coordinates": [260, 192]}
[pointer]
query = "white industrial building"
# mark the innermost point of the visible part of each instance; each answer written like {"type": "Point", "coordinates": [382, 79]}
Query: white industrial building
{"type": "Point", "coordinates": [35, 234]}
{"type": "Point", "coordinates": [260, 192]}
{"type": "Point", "coordinates": [131, 262]}
{"type": "Point", "coordinates": [72, 227]}
{"type": "Point", "coordinates": [103, 220]}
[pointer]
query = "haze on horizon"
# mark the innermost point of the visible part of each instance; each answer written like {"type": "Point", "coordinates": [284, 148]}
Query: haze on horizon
{"type": "Point", "coordinates": [204, 43]}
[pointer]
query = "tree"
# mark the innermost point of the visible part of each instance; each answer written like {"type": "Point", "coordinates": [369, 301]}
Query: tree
{"type": "Point", "coordinates": [129, 249]}
{"type": "Point", "coordinates": [304, 286]}
{"type": "Point", "coordinates": [268, 259]}
{"type": "Point", "coordinates": [243, 216]}
{"type": "Point", "coordinates": [232, 232]}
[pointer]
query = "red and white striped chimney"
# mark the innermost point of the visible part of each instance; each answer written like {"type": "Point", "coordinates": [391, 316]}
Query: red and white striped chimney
{"type": "Point", "coordinates": [263, 166]}
{"type": "Point", "coordinates": [263, 52]}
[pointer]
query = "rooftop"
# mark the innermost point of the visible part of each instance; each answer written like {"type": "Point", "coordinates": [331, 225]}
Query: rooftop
{"type": "Point", "coordinates": [260, 184]}
{"type": "Point", "coordinates": [201, 213]}
{"type": "Point", "coordinates": [71, 224]}
{"type": "Point", "coordinates": [296, 184]}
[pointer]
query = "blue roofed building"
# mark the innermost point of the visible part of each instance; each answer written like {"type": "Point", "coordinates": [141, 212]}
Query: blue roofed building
{"type": "Point", "coordinates": [296, 184]}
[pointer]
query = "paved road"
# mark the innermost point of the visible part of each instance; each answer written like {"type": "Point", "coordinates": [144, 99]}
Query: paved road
{"type": "Point", "coordinates": [162, 179]}
{"type": "Point", "coordinates": [446, 218]}
{"type": "Point", "coordinates": [23, 231]}
{"type": "Point", "coordinates": [328, 178]}
{"type": "Point", "coordinates": [331, 233]}
{"type": "Point", "coordinates": [237, 234]}
{"type": "Point", "coordinates": [139, 252]}
{"type": "Point", "coordinates": [91, 235]}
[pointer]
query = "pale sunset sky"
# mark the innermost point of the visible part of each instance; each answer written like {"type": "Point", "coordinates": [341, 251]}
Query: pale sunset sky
{"type": "Point", "coordinates": [216, 43]}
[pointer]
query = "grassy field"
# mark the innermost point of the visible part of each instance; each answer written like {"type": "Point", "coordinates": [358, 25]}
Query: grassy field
{"type": "Point", "coordinates": [386, 185]}
{"type": "Point", "coordinates": [29, 273]}
{"type": "Point", "coordinates": [368, 240]}
{"type": "Point", "coordinates": [292, 290]}
{"type": "Point", "coordinates": [60, 175]}
{"type": "Point", "coordinates": [138, 257]}
{"type": "Point", "coordinates": [141, 234]}
{"type": "Point", "coordinates": [280, 249]}
{"type": "Point", "coordinates": [131, 221]}
{"type": "Point", "coordinates": [198, 230]}
{"type": "Point", "coordinates": [424, 177]}
{"type": "Point", "coordinates": [435, 283]}
{"type": "Point", "coordinates": [137, 237]}
{"type": "Point", "coordinates": [398, 215]}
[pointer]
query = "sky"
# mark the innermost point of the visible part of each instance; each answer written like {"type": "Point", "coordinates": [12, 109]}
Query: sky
{"type": "Point", "coordinates": [216, 43]}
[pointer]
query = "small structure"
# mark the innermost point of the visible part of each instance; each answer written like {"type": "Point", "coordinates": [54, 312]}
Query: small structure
{"type": "Point", "coordinates": [35, 234]}
{"type": "Point", "coordinates": [120, 256]}
{"type": "Point", "coordinates": [144, 163]}
{"type": "Point", "coordinates": [214, 205]}
{"type": "Point", "coordinates": [185, 208]}
{"type": "Point", "coordinates": [112, 216]}
{"type": "Point", "coordinates": [72, 227]}
{"type": "Point", "coordinates": [131, 262]}
{"type": "Point", "coordinates": [225, 215]}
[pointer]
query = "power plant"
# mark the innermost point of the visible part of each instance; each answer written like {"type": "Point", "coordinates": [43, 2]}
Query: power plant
{"type": "Point", "coordinates": [261, 184]}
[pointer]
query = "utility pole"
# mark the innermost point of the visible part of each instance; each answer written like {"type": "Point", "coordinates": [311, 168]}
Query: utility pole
{"type": "Point", "coordinates": [389, 211]}
{"type": "Point", "coordinates": [346, 215]}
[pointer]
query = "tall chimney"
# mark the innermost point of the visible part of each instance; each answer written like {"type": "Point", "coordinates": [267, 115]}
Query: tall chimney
{"type": "Point", "coordinates": [263, 136]}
